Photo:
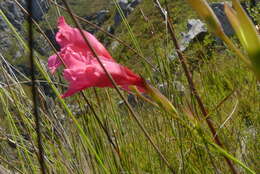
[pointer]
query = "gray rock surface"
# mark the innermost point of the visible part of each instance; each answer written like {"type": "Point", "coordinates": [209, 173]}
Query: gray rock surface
{"type": "Point", "coordinates": [127, 8]}
{"type": "Point", "coordinates": [5, 171]}
{"type": "Point", "coordinates": [98, 18]}
{"type": "Point", "coordinates": [218, 9]}
{"type": "Point", "coordinates": [114, 45]}
{"type": "Point", "coordinates": [176, 85]}
{"type": "Point", "coordinates": [16, 17]}
{"type": "Point", "coordinates": [3, 25]}
{"type": "Point", "coordinates": [39, 8]}
{"type": "Point", "coordinates": [254, 2]}
{"type": "Point", "coordinates": [5, 41]}
{"type": "Point", "coordinates": [133, 100]}
{"type": "Point", "coordinates": [196, 29]}
{"type": "Point", "coordinates": [15, 14]}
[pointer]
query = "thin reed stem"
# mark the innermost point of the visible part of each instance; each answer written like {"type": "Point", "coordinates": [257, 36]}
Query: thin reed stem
{"type": "Point", "coordinates": [101, 125]}
{"type": "Point", "coordinates": [35, 91]}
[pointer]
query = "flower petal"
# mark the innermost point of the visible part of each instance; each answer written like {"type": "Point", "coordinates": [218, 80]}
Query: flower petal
{"type": "Point", "coordinates": [73, 59]}
{"type": "Point", "coordinates": [78, 80]}
{"type": "Point", "coordinates": [72, 36]}
{"type": "Point", "coordinates": [94, 76]}
{"type": "Point", "coordinates": [53, 63]}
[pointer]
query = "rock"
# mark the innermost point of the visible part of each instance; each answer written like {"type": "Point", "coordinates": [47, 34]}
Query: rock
{"type": "Point", "coordinates": [176, 85]}
{"type": "Point", "coordinates": [7, 46]}
{"type": "Point", "coordinates": [111, 29]}
{"type": "Point", "coordinates": [18, 54]}
{"type": "Point", "coordinates": [254, 2]}
{"type": "Point", "coordinates": [218, 9]}
{"type": "Point", "coordinates": [13, 13]}
{"type": "Point", "coordinates": [4, 170]}
{"type": "Point", "coordinates": [51, 35]}
{"type": "Point", "coordinates": [179, 86]}
{"type": "Point", "coordinates": [5, 42]}
{"type": "Point", "coordinates": [39, 8]}
{"type": "Point", "coordinates": [114, 45]}
{"type": "Point", "coordinates": [133, 4]}
{"type": "Point", "coordinates": [251, 6]}
{"type": "Point", "coordinates": [42, 46]}
{"type": "Point", "coordinates": [173, 56]}
{"type": "Point", "coordinates": [196, 30]}
{"type": "Point", "coordinates": [101, 16]}
{"type": "Point", "coordinates": [123, 5]}
{"type": "Point", "coordinates": [133, 100]}
{"type": "Point", "coordinates": [3, 25]}
{"type": "Point", "coordinates": [98, 18]}
{"type": "Point", "coordinates": [127, 8]}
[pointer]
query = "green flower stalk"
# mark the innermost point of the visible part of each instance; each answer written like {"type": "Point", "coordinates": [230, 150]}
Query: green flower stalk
{"type": "Point", "coordinates": [157, 96]}
{"type": "Point", "coordinates": [246, 32]}
{"type": "Point", "coordinates": [243, 27]}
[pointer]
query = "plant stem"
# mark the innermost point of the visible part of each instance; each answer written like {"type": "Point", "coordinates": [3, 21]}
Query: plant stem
{"type": "Point", "coordinates": [231, 45]}
{"type": "Point", "coordinates": [35, 92]}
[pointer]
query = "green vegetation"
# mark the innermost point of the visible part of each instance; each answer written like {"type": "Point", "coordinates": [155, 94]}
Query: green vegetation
{"type": "Point", "coordinates": [103, 137]}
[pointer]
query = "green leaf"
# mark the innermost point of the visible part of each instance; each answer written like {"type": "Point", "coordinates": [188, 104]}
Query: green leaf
{"type": "Point", "coordinates": [246, 33]}
{"type": "Point", "coordinates": [205, 12]}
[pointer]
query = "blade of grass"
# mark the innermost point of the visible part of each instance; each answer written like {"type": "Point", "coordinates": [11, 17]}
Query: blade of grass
{"type": "Point", "coordinates": [229, 156]}
{"type": "Point", "coordinates": [130, 32]}
{"type": "Point", "coordinates": [35, 91]}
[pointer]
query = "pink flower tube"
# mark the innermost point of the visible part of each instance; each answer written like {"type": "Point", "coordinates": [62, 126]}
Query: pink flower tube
{"type": "Point", "coordinates": [82, 69]}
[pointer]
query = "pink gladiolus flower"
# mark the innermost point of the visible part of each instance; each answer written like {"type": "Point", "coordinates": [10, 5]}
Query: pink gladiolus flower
{"type": "Point", "coordinates": [82, 69]}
